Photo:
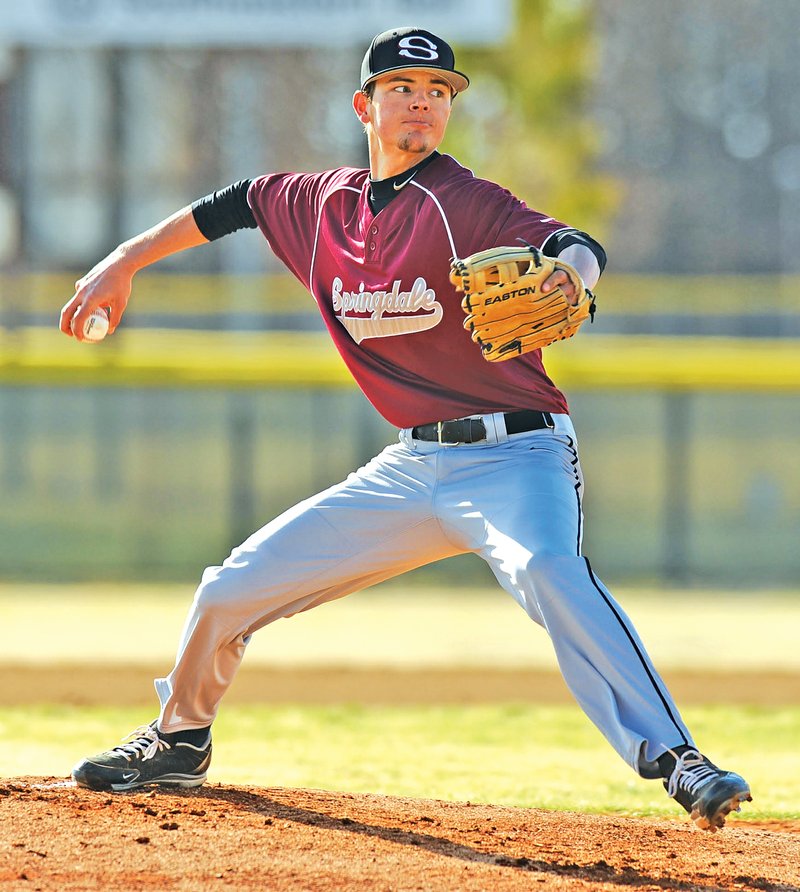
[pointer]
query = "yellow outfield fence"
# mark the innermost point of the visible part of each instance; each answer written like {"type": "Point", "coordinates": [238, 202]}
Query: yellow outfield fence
{"type": "Point", "coordinates": [155, 348]}
{"type": "Point", "coordinates": [280, 359]}
{"type": "Point", "coordinates": [211, 409]}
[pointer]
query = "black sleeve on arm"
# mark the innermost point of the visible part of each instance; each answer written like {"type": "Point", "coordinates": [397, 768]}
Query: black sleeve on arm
{"type": "Point", "coordinates": [556, 243]}
{"type": "Point", "coordinates": [225, 211]}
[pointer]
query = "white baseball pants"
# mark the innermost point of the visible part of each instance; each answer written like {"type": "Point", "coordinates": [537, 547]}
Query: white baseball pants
{"type": "Point", "coordinates": [514, 500]}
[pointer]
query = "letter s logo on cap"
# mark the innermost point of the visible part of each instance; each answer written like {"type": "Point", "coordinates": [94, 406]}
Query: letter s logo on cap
{"type": "Point", "coordinates": [418, 47]}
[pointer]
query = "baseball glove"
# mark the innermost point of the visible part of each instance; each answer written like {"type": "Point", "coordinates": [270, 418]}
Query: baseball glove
{"type": "Point", "coordinates": [507, 313]}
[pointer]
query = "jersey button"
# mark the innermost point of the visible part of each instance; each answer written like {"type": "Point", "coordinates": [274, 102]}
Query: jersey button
{"type": "Point", "coordinates": [374, 230]}
{"type": "Point", "coordinates": [372, 246]}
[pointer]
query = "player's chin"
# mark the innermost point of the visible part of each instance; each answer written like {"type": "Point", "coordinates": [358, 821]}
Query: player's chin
{"type": "Point", "coordinates": [416, 143]}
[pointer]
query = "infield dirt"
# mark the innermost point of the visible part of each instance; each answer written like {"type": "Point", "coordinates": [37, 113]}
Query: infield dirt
{"type": "Point", "coordinates": [55, 836]}
{"type": "Point", "coordinates": [104, 683]}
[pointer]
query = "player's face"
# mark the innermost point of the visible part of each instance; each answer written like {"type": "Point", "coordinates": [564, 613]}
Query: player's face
{"type": "Point", "coordinates": [408, 112]}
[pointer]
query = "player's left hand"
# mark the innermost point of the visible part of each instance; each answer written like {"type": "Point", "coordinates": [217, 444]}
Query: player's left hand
{"type": "Point", "coordinates": [560, 279]}
{"type": "Point", "coordinates": [518, 300]}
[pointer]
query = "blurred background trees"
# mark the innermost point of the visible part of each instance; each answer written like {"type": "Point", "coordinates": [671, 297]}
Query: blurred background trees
{"type": "Point", "coordinates": [526, 121]}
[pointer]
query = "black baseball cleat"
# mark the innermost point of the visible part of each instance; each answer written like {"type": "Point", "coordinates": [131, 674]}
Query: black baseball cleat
{"type": "Point", "coordinates": [705, 791]}
{"type": "Point", "coordinates": [147, 758]}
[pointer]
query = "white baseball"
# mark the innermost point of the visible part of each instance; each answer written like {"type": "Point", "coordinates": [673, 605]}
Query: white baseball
{"type": "Point", "coordinates": [96, 326]}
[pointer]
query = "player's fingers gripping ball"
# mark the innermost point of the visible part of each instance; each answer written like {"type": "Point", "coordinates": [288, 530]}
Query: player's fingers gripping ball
{"type": "Point", "coordinates": [507, 312]}
{"type": "Point", "coordinates": [96, 326]}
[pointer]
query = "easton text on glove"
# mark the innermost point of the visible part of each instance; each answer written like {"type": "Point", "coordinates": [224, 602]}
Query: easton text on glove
{"type": "Point", "coordinates": [507, 313]}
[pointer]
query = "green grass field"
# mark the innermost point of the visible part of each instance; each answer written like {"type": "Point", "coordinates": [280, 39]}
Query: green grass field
{"type": "Point", "coordinates": [396, 625]}
{"type": "Point", "coordinates": [528, 754]}
{"type": "Point", "coordinates": [506, 754]}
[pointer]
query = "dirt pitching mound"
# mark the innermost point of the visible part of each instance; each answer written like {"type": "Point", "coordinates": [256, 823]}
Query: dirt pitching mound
{"type": "Point", "coordinates": [55, 836]}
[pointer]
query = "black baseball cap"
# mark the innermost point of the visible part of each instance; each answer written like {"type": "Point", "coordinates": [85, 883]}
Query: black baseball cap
{"type": "Point", "coordinates": [411, 48]}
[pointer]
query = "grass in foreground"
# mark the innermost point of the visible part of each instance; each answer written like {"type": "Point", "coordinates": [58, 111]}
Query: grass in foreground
{"type": "Point", "coordinates": [544, 757]}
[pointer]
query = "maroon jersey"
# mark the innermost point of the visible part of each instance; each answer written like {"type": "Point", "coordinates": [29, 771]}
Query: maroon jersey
{"type": "Point", "coordinates": [382, 284]}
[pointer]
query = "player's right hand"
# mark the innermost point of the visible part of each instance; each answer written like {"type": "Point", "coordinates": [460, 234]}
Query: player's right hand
{"type": "Point", "coordinates": [106, 285]}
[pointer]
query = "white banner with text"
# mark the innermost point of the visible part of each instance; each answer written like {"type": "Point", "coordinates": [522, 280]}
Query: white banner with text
{"type": "Point", "coordinates": [244, 22]}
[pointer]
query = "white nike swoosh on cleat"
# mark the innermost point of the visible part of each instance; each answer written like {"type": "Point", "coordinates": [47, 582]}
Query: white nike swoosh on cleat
{"type": "Point", "coordinates": [129, 775]}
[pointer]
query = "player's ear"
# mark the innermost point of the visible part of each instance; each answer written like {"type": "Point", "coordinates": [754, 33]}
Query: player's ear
{"type": "Point", "coordinates": [360, 101]}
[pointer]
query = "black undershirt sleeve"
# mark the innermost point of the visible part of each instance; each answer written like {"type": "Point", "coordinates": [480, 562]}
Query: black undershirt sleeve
{"type": "Point", "coordinates": [558, 241]}
{"type": "Point", "coordinates": [225, 211]}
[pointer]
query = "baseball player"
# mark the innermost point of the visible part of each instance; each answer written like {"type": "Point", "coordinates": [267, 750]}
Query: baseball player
{"type": "Point", "coordinates": [486, 459]}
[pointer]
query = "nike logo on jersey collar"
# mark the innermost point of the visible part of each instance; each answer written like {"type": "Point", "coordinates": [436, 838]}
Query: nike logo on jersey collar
{"type": "Point", "coordinates": [398, 186]}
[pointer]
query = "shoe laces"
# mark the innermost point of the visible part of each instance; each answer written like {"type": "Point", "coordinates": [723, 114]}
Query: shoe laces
{"type": "Point", "coordinates": [144, 743]}
{"type": "Point", "coordinates": [691, 772]}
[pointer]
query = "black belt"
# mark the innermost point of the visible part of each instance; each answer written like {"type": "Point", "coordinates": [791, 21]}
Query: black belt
{"type": "Point", "coordinates": [473, 430]}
